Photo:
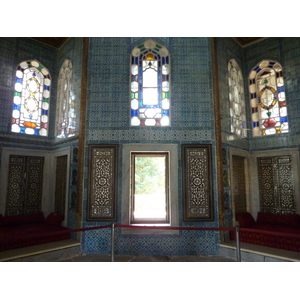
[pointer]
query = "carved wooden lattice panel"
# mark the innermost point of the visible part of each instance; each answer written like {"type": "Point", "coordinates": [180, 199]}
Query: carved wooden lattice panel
{"type": "Point", "coordinates": [25, 182]}
{"type": "Point", "coordinates": [60, 184]}
{"type": "Point", "coordinates": [197, 183]}
{"type": "Point", "coordinates": [276, 184]}
{"type": "Point", "coordinates": [103, 183]}
{"type": "Point", "coordinates": [239, 184]}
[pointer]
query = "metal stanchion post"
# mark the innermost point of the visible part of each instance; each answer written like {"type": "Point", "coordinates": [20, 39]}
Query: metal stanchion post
{"type": "Point", "coordinates": [113, 242]}
{"type": "Point", "coordinates": [238, 248]}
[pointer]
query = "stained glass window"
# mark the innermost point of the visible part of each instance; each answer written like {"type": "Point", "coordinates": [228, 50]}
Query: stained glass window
{"type": "Point", "coordinates": [237, 99]}
{"type": "Point", "coordinates": [150, 85]}
{"type": "Point", "coordinates": [268, 102]}
{"type": "Point", "coordinates": [65, 109]}
{"type": "Point", "coordinates": [30, 113]}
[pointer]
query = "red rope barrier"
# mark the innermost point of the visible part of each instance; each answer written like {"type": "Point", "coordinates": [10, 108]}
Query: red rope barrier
{"type": "Point", "coordinates": [151, 227]}
{"type": "Point", "coordinates": [175, 228]}
{"type": "Point", "coordinates": [188, 228]}
{"type": "Point", "coordinates": [88, 228]}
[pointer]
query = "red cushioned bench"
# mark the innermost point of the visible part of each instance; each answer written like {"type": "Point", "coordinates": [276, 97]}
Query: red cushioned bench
{"type": "Point", "coordinates": [271, 230]}
{"type": "Point", "coordinates": [29, 230]}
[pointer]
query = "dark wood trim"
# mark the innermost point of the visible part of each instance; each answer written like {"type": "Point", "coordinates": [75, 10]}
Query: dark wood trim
{"type": "Point", "coordinates": [218, 131]}
{"type": "Point", "coordinates": [55, 42]}
{"type": "Point", "coordinates": [82, 128]}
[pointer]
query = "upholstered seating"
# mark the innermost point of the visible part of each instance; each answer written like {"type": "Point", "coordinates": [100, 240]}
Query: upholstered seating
{"type": "Point", "coordinates": [277, 231]}
{"type": "Point", "coordinates": [29, 230]}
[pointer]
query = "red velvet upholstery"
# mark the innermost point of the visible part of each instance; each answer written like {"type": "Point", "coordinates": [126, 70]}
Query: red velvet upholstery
{"type": "Point", "coordinates": [54, 219]}
{"type": "Point", "coordinates": [25, 219]}
{"type": "Point", "coordinates": [245, 220]}
{"type": "Point", "coordinates": [29, 230]}
{"type": "Point", "coordinates": [285, 220]}
{"type": "Point", "coordinates": [284, 234]}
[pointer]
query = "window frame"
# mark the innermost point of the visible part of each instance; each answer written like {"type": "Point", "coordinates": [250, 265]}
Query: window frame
{"type": "Point", "coordinates": [152, 221]}
{"type": "Point", "coordinates": [150, 114]}
{"type": "Point", "coordinates": [40, 126]}
{"type": "Point", "coordinates": [173, 187]}
{"type": "Point", "coordinates": [256, 104]}
{"type": "Point", "coordinates": [65, 96]}
{"type": "Point", "coordinates": [240, 131]}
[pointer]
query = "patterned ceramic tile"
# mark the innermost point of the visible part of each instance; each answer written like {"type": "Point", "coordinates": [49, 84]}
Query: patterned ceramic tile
{"type": "Point", "coordinates": [192, 112]}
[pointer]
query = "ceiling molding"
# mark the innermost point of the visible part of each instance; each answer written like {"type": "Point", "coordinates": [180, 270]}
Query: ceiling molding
{"type": "Point", "coordinates": [55, 42]}
{"type": "Point", "coordinates": [247, 41]}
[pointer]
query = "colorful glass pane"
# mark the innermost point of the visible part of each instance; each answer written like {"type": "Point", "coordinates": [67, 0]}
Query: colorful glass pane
{"type": "Point", "coordinates": [237, 99]}
{"type": "Point", "coordinates": [65, 114]}
{"type": "Point", "coordinates": [148, 62]}
{"type": "Point", "coordinates": [268, 103]}
{"type": "Point", "coordinates": [32, 88]}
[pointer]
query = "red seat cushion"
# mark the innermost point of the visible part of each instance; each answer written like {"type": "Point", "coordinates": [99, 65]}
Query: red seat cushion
{"type": "Point", "coordinates": [285, 220]}
{"type": "Point", "coordinates": [23, 219]}
{"type": "Point", "coordinates": [54, 219]}
{"type": "Point", "coordinates": [245, 219]}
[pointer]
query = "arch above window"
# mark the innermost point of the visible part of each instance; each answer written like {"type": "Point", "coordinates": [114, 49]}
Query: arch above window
{"type": "Point", "coordinates": [65, 108]}
{"type": "Point", "coordinates": [30, 112]}
{"type": "Point", "coordinates": [237, 99]}
{"type": "Point", "coordinates": [150, 85]}
{"type": "Point", "coordinates": [268, 102]}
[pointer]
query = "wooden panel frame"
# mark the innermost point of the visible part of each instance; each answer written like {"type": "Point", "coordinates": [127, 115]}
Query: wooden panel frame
{"type": "Point", "coordinates": [197, 187]}
{"type": "Point", "coordinates": [105, 207]}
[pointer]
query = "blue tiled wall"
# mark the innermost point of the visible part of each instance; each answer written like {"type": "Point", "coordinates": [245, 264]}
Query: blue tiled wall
{"type": "Point", "coordinates": [228, 49]}
{"type": "Point", "coordinates": [192, 121]}
{"type": "Point", "coordinates": [192, 116]}
{"type": "Point", "coordinates": [14, 51]}
{"type": "Point", "coordinates": [286, 52]}
{"type": "Point", "coordinates": [72, 50]}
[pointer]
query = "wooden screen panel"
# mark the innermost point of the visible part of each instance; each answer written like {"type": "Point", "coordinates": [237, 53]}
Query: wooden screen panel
{"type": "Point", "coordinates": [197, 183]}
{"type": "Point", "coordinates": [25, 182]}
{"type": "Point", "coordinates": [34, 185]}
{"type": "Point", "coordinates": [15, 185]}
{"type": "Point", "coordinates": [276, 184]}
{"type": "Point", "coordinates": [103, 183]}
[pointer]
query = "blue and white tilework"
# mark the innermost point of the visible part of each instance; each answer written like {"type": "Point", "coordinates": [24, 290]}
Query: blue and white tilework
{"type": "Point", "coordinates": [192, 120]}
{"type": "Point", "coordinates": [192, 115]}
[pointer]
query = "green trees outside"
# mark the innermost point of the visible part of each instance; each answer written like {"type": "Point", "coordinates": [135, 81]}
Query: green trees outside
{"type": "Point", "coordinates": [149, 175]}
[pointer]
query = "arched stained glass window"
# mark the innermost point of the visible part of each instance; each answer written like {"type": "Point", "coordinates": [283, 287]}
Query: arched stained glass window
{"type": "Point", "coordinates": [30, 113]}
{"type": "Point", "coordinates": [150, 85]}
{"type": "Point", "coordinates": [65, 109]}
{"type": "Point", "coordinates": [237, 99]}
{"type": "Point", "coordinates": [268, 102]}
